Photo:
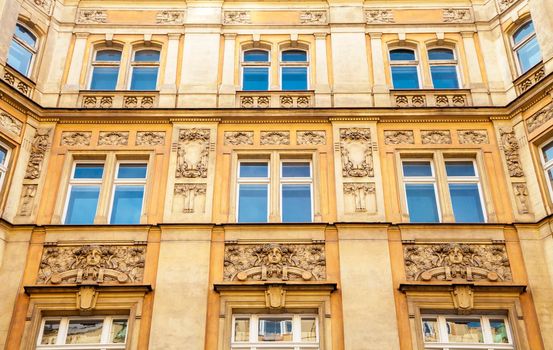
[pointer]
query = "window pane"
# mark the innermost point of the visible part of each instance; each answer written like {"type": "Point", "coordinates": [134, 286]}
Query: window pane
{"type": "Point", "coordinates": [296, 169]}
{"type": "Point", "coordinates": [402, 55]}
{"type": "Point", "coordinates": [104, 78]}
{"type": "Point", "coordinates": [108, 56]}
{"type": "Point", "coordinates": [254, 170]}
{"type": "Point", "coordinates": [256, 78]}
{"type": "Point", "coordinates": [294, 78]}
{"type": "Point", "coordinates": [132, 171]}
{"type": "Point", "coordinates": [464, 331]}
{"type": "Point", "coordinates": [242, 329]}
{"type": "Point", "coordinates": [275, 329]}
{"type": "Point", "coordinates": [405, 77]}
{"type": "Point", "coordinates": [20, 58]}
{"type": "Point", "coordinates": [50, 332]}
{"type": "Point", "coordinates": [146, 56]}
{"type": "Point", "coordinates": [465, 200]}
{"type": "Point", "coordinates": [417, 169]}
{"type": "Point", "coordinates": [144, 78]}
{"type": "Point", "coordinates": [25, 35]}
{"type": "Point", "coordinates": [252, 203]}
{"type": "Point", "coordinates": [421, 202]}
{"type": "Point", "coordinates": [523, 32]}
{"type": "Point", "coordinates": [499, 331]}
{"type": "Point", "coordinates": [296, 203]}
{"type": "Point", "coordinates": [256, 56]}
{"type": "Point", "coordinates": [82, 205]}
{"type": "Point", "coordinates": [84, 331]}
{"type": "Point", "coordinates": [88, 171]}
{"type": "Point", "coordinates": [430, 330]}
{"type": "Point", "coordinates": [444, 77]}
{"type": "Point", "coordinates": [127, 204]}
{"type": "Point", "coordinates": [294, 56]}
{"type": "Point", "coordinates": [529, 54]}
{"type": "Point", "coordinates": [441, 54]}
{"type": "Point", "coordinates": [308, 329]}
{"type": "Point", "coordinates": [118, 331]}
{"type": "Point", "coordinates": [3, 154]}
{"type": "Point", "coordinates": [459, 169]}
{"type": "Point", "coordinates": [548, 151]}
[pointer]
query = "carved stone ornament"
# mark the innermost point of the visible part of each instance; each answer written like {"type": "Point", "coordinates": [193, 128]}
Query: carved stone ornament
{"type": "Point", "coordinates": [150, 138]}
{"type": "Point", "coordinates": [113, 138]}
{"type": "Point", "coordinates": [454, 15]}
{"type": "Point", "coordinates": [510, 149]}
{"type": "Point", "coordinates": [540, 118]}
{"type": "Point", "coordinates": [28, 194]}
{"type": "Point", "coordinates": [473, 136]}
{"type": "Point", "coordinates": [170, 17]}
{"type": "Point", "coordinates": [379, 16]}
{"type": "Point", "coordinates": [237, 138]}
{"type": "Point", "coordinates": [87, 297]}
{"type": "Point", "coordinates": [275, 297]}
{"type": "Point", "coordinates": [236, 17]}
{"type": "Point", "coordinates": [10, 123]}
{"type": "Point", "coordinates": [457, 262]}
{"type": "Point", "coordinates": [436, 137]}
{"type": "Point", "coordinates": [92, 16]}
{"type": "Point", "coordinates": [38, 153]}
{"type": "Point", "coordinates": [75, 138]}
{"type": "Point", "coordinates": [521, 197]}
{"type": "Point", "coordinates": [463, 299]}
{"type": "Point", "coordinates": [310, 137]}
{"type": "Point", "coordinates": [359, 191]}
{"type": "Point", "coordinates": [45, 5]}
{"type": "Point", "coordinates": [313, 17]}
{"type": "Point", "coordinates": [269, 262]}
{"type": "Point", "coordinates": [92, 264]}
{"type": "Point", "coordinates": [193, 153]}
{"type": "Point", "coordinates": [192, 193]}
{"type": "Point", "coordinates": [399, 137]}
{"type": "Point", "coordinates": [505, 4]}
{"type": "Point", "coordinates": [275, 138]}
{"type": "Point", "coordinates": [356, 152]}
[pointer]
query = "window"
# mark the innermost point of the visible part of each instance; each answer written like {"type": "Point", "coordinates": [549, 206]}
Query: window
{"type": "Point", "coordinates": [23, 49]}
{"type": "Point", "coordinates": [145, 66]}
{"type": "Point", "coordinates": [464, 190]}
{"type": "Point", "coordinates": [405, 72]}
{"type": "Point", "coordinates": [526, 47]}
{"type": "Point", "coordinates": [255, 70]}
{"type": "Point", "coordinates": [105, 70]}
{"type": "Point", "coordinates": [83, 333]}
{"type": "Point", "coordinates": [443, 69]}
{"type": "Point", "coordinates": [253, 191]}
{"type": "Point", "coordinates": [298, 332]}
{"type": "Point", "coordinates": [295, 182]}
{"type": "Point", "coordinates": [4, 159]}
{"type": "Point", "coordinates": [477, 332]}
{"type": "Point", "coordinates": [128, 193]}
{"type": "Point", "coordinates": [420, 191]}
{"type": "Point", "coordinates": [294, 70]}
{"type": "Point", "coordinates": [547, 161]}
{"type": "Point", "coordinates": [84, 191]}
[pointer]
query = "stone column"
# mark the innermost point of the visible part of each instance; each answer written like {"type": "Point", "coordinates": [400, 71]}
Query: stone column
{"type": "Point", "coordinates": [475, 83]}
{"type": "Point", "coordinates": [541, 11]}
{"type": "Point", "coordinates": [380, 88]}
{"type": "Point", "coordinates": [73, 84]}
{"type": "Point", "coordinates": [227, 90]}
{"type": "Point", "coordinates": [168, 92]}
{"type": "Point", "coordinates": [322, 87]}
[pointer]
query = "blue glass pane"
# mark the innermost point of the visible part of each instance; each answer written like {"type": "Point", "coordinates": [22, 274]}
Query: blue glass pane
{"type": "Point", "coordinates": [3, 154]}
{"type": "Point", "coordinates": [444, 77]}
{"type": "Point", "coordinates": [523, 32]}
{"type": "Point", "coordinates": [296, 169]}
{"type": "Point", "coordinates": [254, 169]}
{"type": "Point", "coordinates": [25, 35]}
{"type": "Point", "coordinates": [529, 54]}
{"type": "Point", "coordinates": [421, 202]}
{"type": "Point", "coordinates": [256, 56]}
{"type": "Point", "coordinates": [417, 169]}
{"type": "Point", "coordinates": [294, 56]}
{"type": "Point", "coordinates": [465, 200]}
{"type": "Point", "coordinates": [441, 54]}
{"type": "Point", "coordinates": [296, 203]}
{"type": "Point", "coordinates": [465, 168]}
{"type": "Point", "coordinates": [132, 171]}
{"type": "Point", "coordinates": [252, 203]}
{"type": "Point", "coordinates": [127, 205]}
{"type": "Point", "coordinates": [144, 78]}
{"type": "Point", "coordinates": [20, 58]}
{"type": "Point", "coordinates": [88, 171]}
{"type": "Point", "coordinates": [104, 78]}
{"type": "Point", "coordinates": [256, 79]}
{"type": "Point", "coordinates": [294, 78]}
{"type": "Point", "coordinates": [548, 151]}
{"type": "Point", "coordinates": [108, 56]}
{"type": "Point", "coordinates": [405, 77]}
{"type": "Point", "coordinates": [146, 56]}
{"type": "Point", "coordinates": [402, 55]}
{"type": "Point", "coordinates": [499, 332]}
{"type": "Point", "coordinates": [81, 208]}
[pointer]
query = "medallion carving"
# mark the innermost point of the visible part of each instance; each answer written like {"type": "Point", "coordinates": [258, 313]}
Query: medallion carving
{"type": "Point", "coordinates": [360, 193]}
{"type": "Point", "coordinates": [38, 153]}
{"type": "Point", "coordinates": [275, 138]}
{"type": "Point", "coordinates": [436, 136]}
{"type": "Point", "coordinates": [170, 17]}
{"type": "Point", "coordinates": [540, 118]}
{"type": "Point", "coordinates": [193, 153]}
{"type": "Point", "coordinates": [92, 16]}
{"type": "Point", "coordinates": [10, 123]}
{"type": "Point", "coordinates": [193, 197]}
{"type": "Point", "coordinates": [379, 16]}
{"type": "Point", "coordinates": [113, 138]}
{"type": "Point", "coordinates": [313, 17]}
{"type": "Point", "coordinates": [473, 136]}
{"type": "Point", "coordinates": [356, 152]}
{"type": "Point", "coordinates": [457, 15]}
{"type": "Point", "coordinates": [75, 138]}
{"type": "Point", "coordinates": [150, 138]}
{"type": "Point", "coordinates": [399, 137]}
{"type": "Point", "coordinates": [28, 194]}
{"type": "Point", "coordinates": [310, 137]}
{"type": "Point", "coordinates": [237, 138]}
{"type": "Point", "coordinates": [237, 17]}
{"type": "Point", "coordinates": [510, 149]}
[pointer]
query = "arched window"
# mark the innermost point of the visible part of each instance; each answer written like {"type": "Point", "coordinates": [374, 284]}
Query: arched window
{"type": "Point", "coordinates": [443, 68]}
{"type": "Point", "coordinates": [293, 72]}
{"type": "Point", "coordinates": [105, 69]}
{"type": "Point", "coordinates": [405, 71]}
{"type": "Point", "coordinates": [144, 70]}
{"type": "Point", "coordinates": [255, 70]}
{"type": "Point", "coordinates": [526, 47]}
{"type": "Point", "coordinates": [23, 50]}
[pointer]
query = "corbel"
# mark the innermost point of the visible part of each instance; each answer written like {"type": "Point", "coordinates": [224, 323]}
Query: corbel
{"type": "Point", "coordinates": [148, 39]}
{"type": "Point", "coordinates": [440, 36]}
{"type": "Point", "coordinates": [401, 38]}
{"type": "Point", "coordinates": [256, 37]}
{"type": "Point", "coordinates": [109, 39]}
{"type": "Point", "coordinates": [294, 39]}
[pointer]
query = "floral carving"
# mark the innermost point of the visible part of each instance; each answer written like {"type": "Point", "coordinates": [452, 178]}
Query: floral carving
{"type": "Point", "coordinates": [313, 17]}
{"type": "Point", "coordinates": [26, 201]}
{"type": "Point", "coordinates": [263, 101]}
{"type": "Point", "coordinates": [17, 83]}
{"type": "Point", "coordinates": [540, 118]}
{"type": "Point", "coordinates": [10, 123]}
{"type": "Point", "coordinates": [193, 153]}
{"type": "Point", "coordinates": [150, 138]}
{"type": "Point", "coordinates": [38, 153]}
{"type": "Point", "coordinates": [286, 101]}
{"type": "Point", "coordinates": [456, 261]}
{"type": "Point", "coordinates": [113, 138]}
{"type": "Point", "coordinates": [92, 264]}
{"type": "Point", "coordinates": [360, 192]}
{"type": "Point", "coordinates": [130, 102]}
{"type": "Point", "coordinates": [75, 138]}
{"type": "Point", "coordinates": [521, 197]}
{"type": "Point", "coordinates": [453, 15]}
{"type": "Point", "coordinates": [237, 138]}
{"type": "Point", "coordinates": [170, 17]}
{"type": "Point", "coordinates": [191, 192]}
{"type": "Point", "coordinates": [45, 5]}
{"type": "Point", "coordinates": [266, 262]}
{"type": "Point", "coordinates": [310, 137]}
{"type": "Point", "coordinates": [92, 16]}
{"type": "Point", "coordinates": [505, 4]}
{"type": "Point", "coordinates": [510, 149]}
{"type": "Point", "coordinates": [399, 137]}
{"type": "Point", "coordinates": [436, 136]}
{"type": "Point", "coordinates": [379, 16]}
{"type": "Point", "coordinates": [473, 136]}
{"type": "Point", "coordinates": [356, 152]}
{"type": "Point", "coordinates": [532, 77]}
{"type": "Point", "coordinates": [237, 17]}
{"type": "Point", "coordinates": [275, 138]}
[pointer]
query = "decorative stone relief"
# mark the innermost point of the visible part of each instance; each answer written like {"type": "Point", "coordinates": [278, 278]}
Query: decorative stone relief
{"type": "Point", "coordinates": [532, 77]}
{"type": "Point", "coordinates": [145, 102]}
{"type": "Point", "coordinates": [38, 153]}
{"type": "Point", "coordinates": [521, 197]}
{"type": "Point", "coordinates": [410, 100]}
{"type": "Point", "coordinates": [170, 17]}
{"type": "Point", "coordinates": [193, 153]}
{"type": "Point", "coordinates": [379, 16]}
{"type": "Point", "coordinates": [456, 261]}
{"type": "Point", "coordinates": [463, 299]}
{"type": "Point", "coordinates": [454, 15]}
{"type": "Point", "coordinates": [193, 197]}
{"type": "Point", "coordinates": [92, 264]}
{"type": "Point", "coordinates": [436, 136]}
{"type": "Point", "coordinates": [75, 138]}
{"type": "Point", "coordinates": [310, 137]}
{"type": "Point", "coordinates": [10, 123]}
{"type": "Point", "coordinates": [27, 199]}
{"type": "Point", "coordinates": [356, 152]}
{"type": "Point", "coordinates": [113, 138]}
{"type": "Point", "coordinates": [97, 102]}
{"type": "Point", "coordinates": [255, 101]}
{"type": "Point", "coordinates": [510, 149]}
{"type": "Point", "coordinates": [275, 297]}
{"type": "Point", "coordinates": [450, 100]}
{"type": "Point", "coordinates": [540, 118]}
{"type": "Point", "coordinates": [275, 138]}
{"type": "Point", "coordinates": [505, 4]}
{"type": "Point", "coordinates": [313, 17]}
{"type": "Point", "coordinates": [237, 17]}
{"type": "Point", "coordinates": [87, 297]}
{"type": "Point", "coordinates": [92, 16]}
{"type": "Point", "coordinates": [237, 138]}
{"type": "Point", "coordinates": [45, 5]}
{"type": "Point", "coordinates": [289, 101]}
{"type": "Point", "coordinates": [266, 262]}
{"type": "Point", "coordinates": [150, 138]}
{"type": "Point", "coordinates": [360, 197]}
{"type": "Point", "coordinates": [399, 137]}
{"type": "Point", "coordinates": [17, 83]}
{"type": "Point", "coordinates": [472, 136]}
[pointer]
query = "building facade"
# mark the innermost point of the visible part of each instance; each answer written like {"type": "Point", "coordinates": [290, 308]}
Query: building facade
{"type": "Point", "coordinates": [340, 174]}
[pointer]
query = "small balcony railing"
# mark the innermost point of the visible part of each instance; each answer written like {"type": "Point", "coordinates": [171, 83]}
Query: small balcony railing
{"type": "Point", "coordinates": [18, 81]}
{"type": "Point", "coordinates": [118, 99]}
{"type": "Point", "coordinates": [529, 79]}
{"type": "Point", "coordinates": [275, 99]}
{"type": "Point", "coordinates": [431, 98]}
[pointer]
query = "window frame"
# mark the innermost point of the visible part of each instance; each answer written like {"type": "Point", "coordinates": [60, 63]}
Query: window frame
{"type": "Point", "coordinates": [255, 64]}
{"type": "Point", "coordinates": [517, 46]}
{"type": "Point", "coordinates": [466, 180]}
{"type": "Point", "coordinates": [148, 64]}
{"type": "Point", "coordinates": [32, 50]}
{"type": "Point", "coordinates": [546, 165]}
{"type": "Point", "coordinates": [421, 180]}
{"type": "Point", "coordinates": [4, 166]}
{"type": "Point", "coordinates": [291, 181]}
{"type": "Point", "coordinates": [300, 64]}
{"type": "Point", "coordinates": [445, 63]}
{"type": "Point", "coordinates": [94, 63]}
{"type": "Point", "coordinates": [405, 63]}
{"type": "Point", "coordinates": [127, 182]}
{"type": "Point", "coordinates": [253, 181]}
{"type": "Point", "coordinates": [83, 182]}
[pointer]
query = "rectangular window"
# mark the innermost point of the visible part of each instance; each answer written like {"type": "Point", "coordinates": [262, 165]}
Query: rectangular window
{"type": "Point", "coordinates": [444, 77]}
{"type": "Point", "coordinates": [128, 194]}
{"type": "Point", "coordinates": [84, 191]}
{"type": "Point", "coordinates": [405, 77]}
{"type": "Point", "coordinates": [464, 190]}
{"type": "Point", "coordinates": [253, 191]}
{"type": "Point", "coordinates": [144, 78]}
{"type": "Point", "coordinates": [294, 78]}
{"type": "Point", "coordinates": [420, 190]}
{"type": "Point", "coordinates": [255, 78]}
{"type": "Point", "coordinates": [296, 200]}
{"type": "Point", "coordinates": [104, 78]}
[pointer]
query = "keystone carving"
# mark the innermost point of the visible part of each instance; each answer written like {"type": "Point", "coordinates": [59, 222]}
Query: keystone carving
{"type": "Point", "coordinates": [313, 17]}
{"type": "Point", "coordinates": [457, 15]}
{"type": "Point", "coordinates": [237, 138]}
{"type": "Point", "coordinates": [10, 123]}
{"type": "Point", "coordinates": [510, 149]}
{"type": "Point", "coordinates": [267, 262]}
{"type": "Point", "coordinates": [521, 197]}
{"type": "Point", "coordinates": [237, 17]}
{"type": "Point", "coordinates": [38, 153]}
{"type": "Point", "coordinates": [457, 261]}
{"type": "Point", "coordinates": [275, 138]}
{"type": "Point", "coordinates": [113, 138]}
{"type": "Point", "coordinates": [92, 16]}
{"type": "Point", "coordinates": [356, 152]}
{"type": "Point", "coordinates": [150, 138]}
{"type": "Point", "coordinates": [379, 16]}
{"type": "Point", "coordinates": [75, 138]}
{"type": "Point", "coordinates": [360, 193]}
{"type": "Point", "coordinates": [193, 153]}
{"type": "Point", "coordinates": [28, 194]}
{"type": "Point", "coordinates": [540, 118]}
{"type": "Point", "coordinates": [311, 137]}
{"type": "Point", "coordinates": [436, 136]}
{"type": "Point", "coordinates": [170, 17]}
{"type": "Point", "coordinates": [399, 137]}
{"type": "Point", "coordinates": [92, 264]}
{"type": "Point", "coordinates": [463, 299]}
{"type": "Point", "coordinates": [194, 197]}
{"type": "Point", "coordinates": [473, 136]}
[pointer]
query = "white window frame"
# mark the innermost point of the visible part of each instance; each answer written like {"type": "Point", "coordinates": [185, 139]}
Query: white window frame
{"type": "Point", "coordinates": [254, 64]}
{"type": "Point", "coordinates": [149, 64]}
{"type": "Point", "coordinates": [400, 63]}
{"type": "Point", "coordinates": [83, 182]}
{"type": "Point", "coordinates": [453, 62]}
{"type": "Point", "coordinates": [253, 181]}
{"type": "Point", "coordinates": [4, 165]}
{"type": "Point", "coordinates": [33, 50]}
{"type": "Point", "coordinates": [95, 64]}
{"type": "Point", "coordinates": [523, 42]}
{"type": "Point", "coordinates": [547, 165]}
{"type": "Point", "coordinates": [294, 64]}
{"type": "Point", "coordinates": [127, 182]}
{"type": "Point", "coordinates": [296, 181]}
{"type": "Point", "coordinates": [466, 180]}
{"type": "Point", "coordinates": [421, 180]}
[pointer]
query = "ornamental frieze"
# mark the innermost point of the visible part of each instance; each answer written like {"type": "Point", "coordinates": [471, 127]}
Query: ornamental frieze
{"type": "Point", "coordinates": [75, 138]}
{"type": "Point", "coordinates": [379, 16]}
{"type": "Point", "coordinates": [356, 152]}
{"type": "Point", "coordinates": [275, 138]}
{"type": "Point", "coordinates": [150, 138]}
{"type": "Point", "coordinates": [540, 118]}
{"type": "Point", "coordinates": [399, 137]}
{"type": "Point", "coordinates": [510, 149]}
{"type": "Point", "coordinates": [193, 153]}
{"type": "Point", "coordinates": [38, 153]}
{"type": "Point", "coordinates": [311, 137]}
{"type": "Point", "coordinates": [475, 137]}
{"type": "Point", "coordinates": [10, 123]}
{"type": "Point", "coordinates": [92, 16]}
{"type": "Point", "coordinates": [436, 136]}
{"type": "Point", "coordinates": [314, 17]}
{"type": "Point", "coordinates": [170, 17]}
{"type": "Point", "coordinates": [456, 15]}
{"type": "Point", "coordinates": [237, 17]}
{"type": "Point", "coordinates": [456, 262]}
{"type": "Point", "coordinates": [113, 138]}
{"type": "Point", "coordinates": [270, 262]}
{"type": "Point", "coordinates": [237, 138]}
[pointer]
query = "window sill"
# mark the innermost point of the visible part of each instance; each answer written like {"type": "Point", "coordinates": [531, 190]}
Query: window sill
{"type": "Point", "coordinates": [275, 99]}
{"type": "Point", "coordinates": [430, 97]}
{"type": "Point", "coordinates": [118, 99]}
{"type": "Point", "coordinates": [524, 82]}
